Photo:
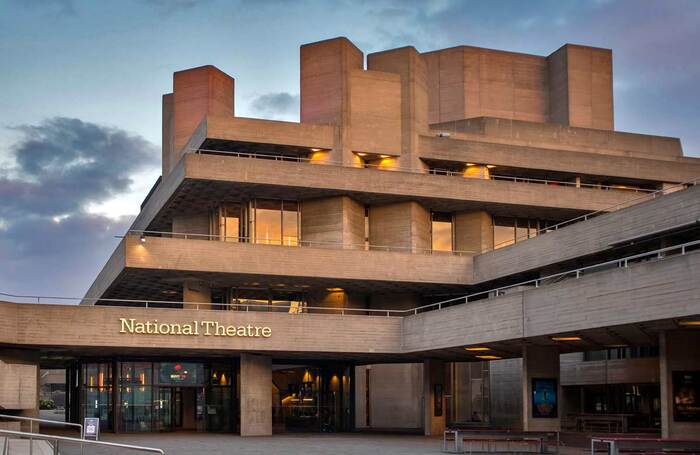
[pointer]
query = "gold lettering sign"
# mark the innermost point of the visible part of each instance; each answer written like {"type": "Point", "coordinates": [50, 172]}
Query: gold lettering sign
{"type": "Point", "coordinates": [192, 328]}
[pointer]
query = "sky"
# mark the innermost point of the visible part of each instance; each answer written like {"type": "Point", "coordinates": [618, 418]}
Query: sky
{"type": "Point", "coordinates": [81, 85]}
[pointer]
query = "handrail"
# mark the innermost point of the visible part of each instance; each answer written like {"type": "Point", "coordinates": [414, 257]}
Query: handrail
{"type": "Point", "coordinates": [297, 242]}
{"type": "Point", "coordinates": [431, 171]}
{"type": "Point", "coordinates": [82, 442]}
{"type": "Point", "coordinates": [293, 309]}
{"type": "Point", "coordinates": [31, 421]}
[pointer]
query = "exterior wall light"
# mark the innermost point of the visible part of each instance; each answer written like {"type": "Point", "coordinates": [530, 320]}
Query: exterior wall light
{"type": "Point", "coordinates": [143, 238]}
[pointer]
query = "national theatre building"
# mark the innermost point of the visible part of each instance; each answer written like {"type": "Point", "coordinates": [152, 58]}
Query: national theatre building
{"type": "Point", "coordinates": [450, 238]}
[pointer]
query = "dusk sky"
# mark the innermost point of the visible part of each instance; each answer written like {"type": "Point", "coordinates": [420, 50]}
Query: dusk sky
{"type": "Point", "coordinates": [81, 85]}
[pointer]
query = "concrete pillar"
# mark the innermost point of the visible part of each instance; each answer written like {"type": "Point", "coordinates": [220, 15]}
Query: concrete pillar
{"type": "Point", "coordinates": [195, 291]}
{"type": "Point", "coordinates": [256, 395]}
{"type": "Point", "coordinates": [193, 223]}
{"type": "Point", "coordinates": [473, 231]}
{"type": "Point", "coordinates": [405, 225]}
{"type": "Point", "coordinates": [679, 362]}
{"type": "Point", "coordinates": [388, 396]}
{"type": "Point", "coordinates": [19, 386]}
{"type": "Point", "coordinates": [167, 128]}
{"type": "Point", "coordinates": [331, 222]}
{"type": "Point", "coordinates": [411, 67]}
{"type": "Point", "coordinates": [434, 411]}
{"type": "Point", "coordinates": [540, 363]}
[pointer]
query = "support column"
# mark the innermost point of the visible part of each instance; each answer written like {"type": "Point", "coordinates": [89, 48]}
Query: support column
{"type": "Point", "coordinates": [542, 364]}
{"type": "Point", "coordinates": [19, 387]}
{"type": "Point", "coordinates": [434, 397]}
{"type": "Point", "coordinates": [404, 225]}
{"type": "Point", "coordinates": [256, 395]}
{"type": "Point", "coordinates": [679, 373]}
{"type": "Point", "coordinates": [194, 291]}
{"type": "Point", "coordinates": [473, 232]}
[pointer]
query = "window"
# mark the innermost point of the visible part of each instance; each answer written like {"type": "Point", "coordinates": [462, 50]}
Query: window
{"type": "Point", "coordinates": [503, 232]}
{"type": "Point", "coordinates": [230, 225]}
{"type": "Point", "coordinates": [441, 231]}
{"type": "Point", "coordinates": [97, 392]}
{"type": "Point", "coordinates": [275, 222]}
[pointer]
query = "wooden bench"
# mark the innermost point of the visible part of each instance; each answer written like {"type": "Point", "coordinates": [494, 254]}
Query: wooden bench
{"type": "Point", "coordinates": [465, 441]}
{"type": "Point", "coordinates": [618, 445]}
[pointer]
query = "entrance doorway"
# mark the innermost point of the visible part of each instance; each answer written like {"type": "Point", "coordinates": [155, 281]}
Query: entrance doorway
{"type": "Point", "coordinates": [176, 408]}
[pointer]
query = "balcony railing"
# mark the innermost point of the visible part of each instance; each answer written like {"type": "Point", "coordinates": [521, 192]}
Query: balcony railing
{"type": "Point", "coordinates": [432, 171]}
{"type": "Point", "coordinates": [295, 242]}
{"type": "Point", "coordinates": [293, 308]}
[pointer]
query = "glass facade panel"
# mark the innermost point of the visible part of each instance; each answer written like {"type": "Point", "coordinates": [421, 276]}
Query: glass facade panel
{"type": "Point", "coordinates": [290, 223]}
{"type": "Point", "coordinates": [503, 232]}
{"type": "Point", "coordinates": [97, 392]}
{"type": "Point", "coordinates": [441, 231]}
{"type": "Point", "coordinates": [135, 394]}
{"type": "Point", "coordinates": [275, 222]}
{"type": "Point", "coordinates": [231, 223]}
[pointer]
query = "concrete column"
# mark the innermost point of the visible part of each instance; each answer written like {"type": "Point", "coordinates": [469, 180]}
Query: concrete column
{"type": "Point", "coordinates": [540, 363]}
{"type": "Point", "coordinates": [679, 352]}
{"type": "Point", "coordinates": [473, 231]}
{"type": "Point", "coordinates": [19, 386]}
{"type": "Point", "coordinates": [405, 225]}
{"type": "Point", "coordinates": [256, 395]}
{"type": "Point", "coordinates": [434, 411]}
{"type": "Point", "coordinates": [194, 291]}
{"type": "Point", "coordinates": [328, 222]}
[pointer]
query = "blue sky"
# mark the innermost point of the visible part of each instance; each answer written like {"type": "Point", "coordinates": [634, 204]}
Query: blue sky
{"type": "Point", "coordinates": [81, 85]}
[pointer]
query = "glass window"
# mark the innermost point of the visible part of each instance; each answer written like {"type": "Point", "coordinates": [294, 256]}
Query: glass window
{"type": "Point", "coordinates": [442, 231]}
{"type": "Point", "coordinates": [231, 223]}
{"type": "Point", "coordinates": [97, 392]}
{"type": "Point", "coordinates": [503, 232]}
{"type": "Point", "coordinates": [135, 396]}
{"type": "Point", "coordinates": [290, 223]}
{"type": "Point", "coordinates": [521, 230]}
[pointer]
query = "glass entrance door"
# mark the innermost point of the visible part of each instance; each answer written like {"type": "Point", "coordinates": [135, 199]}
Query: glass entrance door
{"type": "Point", "coordinates": [164, 409]}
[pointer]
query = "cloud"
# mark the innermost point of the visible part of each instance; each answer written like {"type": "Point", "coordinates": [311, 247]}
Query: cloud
{"type": "Point", "coordinates": [49, 243]}
{"type": "Point", "coordinates": [276, 106]}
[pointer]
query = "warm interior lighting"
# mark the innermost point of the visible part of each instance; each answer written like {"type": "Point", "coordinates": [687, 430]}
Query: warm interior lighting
{"type": "Point", "coordinates": [478, 348]}
{"type": "Point", "coordinates": [384, 156]}
{"type": "Point", "coordinates": [689, 323]}
{"type": "Point", "coordinates": [313, 149]}
{"type": "Point", "coordinates": [566, 338]}
{"type": "Point", "coordinates": [361, 154]}
{"type": "Point", "coordinates": [490, 166]}
{"type": "Point", "coordinates": [168, 292]}
{"type": "Point", "coordinates": [470, 164]}
{"type": "Point", "coordinates": [334, 289]}
{"type": "Point", "coordinates": [488, 357]}
{"type": "Point", "coordinates": [143, 238]}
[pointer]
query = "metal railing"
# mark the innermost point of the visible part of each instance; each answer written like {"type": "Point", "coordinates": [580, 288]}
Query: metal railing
{"type": "Point", "coordinates": [31, 421]}
{"type": "Point", "coordinates": [658, 254]}
{"type": "Point", "coordinates": [66, 440]}
{"type": "Point", "coordinates": [432, 171]}
{"type": "Point", "coordinates": [296, 242]}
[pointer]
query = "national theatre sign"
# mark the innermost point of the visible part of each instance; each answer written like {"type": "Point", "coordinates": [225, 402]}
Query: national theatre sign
{"type": "Point", "coordinates": [193, 328]}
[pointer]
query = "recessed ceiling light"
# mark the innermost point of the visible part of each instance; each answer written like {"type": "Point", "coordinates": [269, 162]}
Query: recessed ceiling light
{"type": "Point", "coordinates": [316, 149]}
{"type": "Point", "coordinates": [689, 323]}
{"type": "Point", "coordinates": [478, 348]}
{"type": "Point", "coordinates": [334, 289]}
{"type": "Point", "coordinates": [361, 154]}
{"type": "Point", "coordinates": [488, 357]}
{"type": "Point", "coordinates": [490, 166]}
{"type": "Point", "coordinates": [384, 156]}
{"type": "Point", "coordinates": [471, 164]}
{"type": "Point", "coordinates": [566, 338]}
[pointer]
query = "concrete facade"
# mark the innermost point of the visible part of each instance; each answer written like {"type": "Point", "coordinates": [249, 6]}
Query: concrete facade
{"type": "Point", "coordinates": [463, 147]}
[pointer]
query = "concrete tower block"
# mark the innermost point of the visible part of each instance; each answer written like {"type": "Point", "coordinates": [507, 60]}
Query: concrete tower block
{"type": "Point", "coordinates": [167, 138]}
{"type": "Point", "coordinates": [408, 64]}
{"type": "Point", "coordinates": [580, 87]}
{"type": "Point", "coordinates": [198, 92]}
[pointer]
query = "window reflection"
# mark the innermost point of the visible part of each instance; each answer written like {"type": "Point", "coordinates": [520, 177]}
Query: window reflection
{"type": "Point", "coordinates": [276, 222]}
{"type": "Point", "coordinates": [441, 231]}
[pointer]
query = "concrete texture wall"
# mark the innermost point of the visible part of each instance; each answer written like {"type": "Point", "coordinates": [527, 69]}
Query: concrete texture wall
{"type": "Point", "coordinates": [405, 225]}
{"type": "Point", "coordinates": [395, 392]}
{"type": "Point", "coordinates": [541, 363]}
{"type": "Point", "coordinates": [269, 131]}
{"type": "Point", "coordinates": [473, 231]}
{"type": "Point", "coordinates": [167, 136]}
{"type": "Point", "coordinates": [679, 351]}
{"type": "Point", "coordinates": [18, 385]}
{"type": "Point", "coordinates": [434, 409]}
{"type": "Point", "coordinates": [411, 67]}
{"type": "Point", "coordinates": [256, 395]}
{"type": "Point", "coordinates": [334, 220]}
{"type": "Point", "coordinates": [192, 223]}
{"type": "Point", "coordinates": [506, 393]}
{"type": "Point", "coordinates": [198, 92]}
{"type": "Point", "coordinates": [197, 292]}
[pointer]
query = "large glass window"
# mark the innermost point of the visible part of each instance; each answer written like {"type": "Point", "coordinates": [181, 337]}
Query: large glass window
{"type": "Point", "coordinates": [230, 223]}
{"type": "Point", "coordinates": [441, 231]}
{"type": "Point", "coordinates": [97, 392]}
{"type": "Point", "coordinates": [276, 222]}
{"type": "Point", "coordinates": [135, 385]}
{"type": "Point", "coordinates": [507, 231]}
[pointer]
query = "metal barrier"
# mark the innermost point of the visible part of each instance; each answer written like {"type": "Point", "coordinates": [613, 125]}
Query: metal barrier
{"type": "Point", "coordinates": [616, 445]}
{"type": "Point", "coordinates": [659, 254]}
{"type": "Point", "coordinates": [57, 440]}
{"type": "Point", "coordinates": [31, 421]}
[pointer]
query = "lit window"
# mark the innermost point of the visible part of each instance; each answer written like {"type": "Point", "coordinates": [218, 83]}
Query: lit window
{"type": "Point", "coordinates": [442, 231]}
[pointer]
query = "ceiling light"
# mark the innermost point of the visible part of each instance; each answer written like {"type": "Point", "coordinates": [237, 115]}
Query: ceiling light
{"type": "Point", "coordinates": [384, 156]}
{"type": "Point", "coordinates": [316, 150]}
{"type": "Point", "coordinates": [488, 357]}
{"type": "Point", "coordinates": [361, 154]}
{"type": "Point", "coordinates": [143, 238]}
{"type": "Point", "coordinates": [689, 323]}
{"type": "Point", "coordinates": [470, 164]}
{"type": "Point", "coordinates": [334, 289]}
{"type": "Point", "coordinates": [566, 338]}
{"type": "Point", "coordinates": [490, 166]}
{"type": "Point", "coordinates": [478, 348]}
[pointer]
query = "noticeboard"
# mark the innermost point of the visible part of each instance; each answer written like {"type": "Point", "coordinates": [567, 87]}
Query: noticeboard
{"type": "Point", "coordinates": [91, 428]}
{"type": "Point", "coordinates": [544, 398]}
{"type": "Point", "coordinates": [686, 396]}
